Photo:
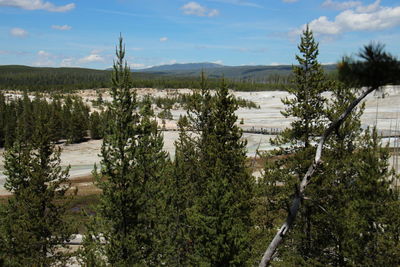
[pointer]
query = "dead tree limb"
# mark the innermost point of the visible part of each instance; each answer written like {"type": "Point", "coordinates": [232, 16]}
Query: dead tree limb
{"type": "Point", "coordinates": [294, 208]}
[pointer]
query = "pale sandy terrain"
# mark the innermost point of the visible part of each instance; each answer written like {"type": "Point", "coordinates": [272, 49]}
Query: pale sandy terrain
{"type": "Point", "coordinates": [82, 157]}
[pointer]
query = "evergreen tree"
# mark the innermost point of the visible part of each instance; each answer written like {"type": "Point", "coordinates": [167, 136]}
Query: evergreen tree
{"type": "Point", "coordinates": [96, 125]}
{"type": "Point", "coordinates": [221, 215]}
{"type": "Point", "coordinates": [307, 101]}
{"type": "Point", "coordinates": [2, 119]}
{"type": "Point", "coordinates": [340, 219]}
{"type": "Point", "coordinates": [132, 166]}
{"type": "Point", "coordinates": [288, 165]}
{"type": "Point", "coordinates": [33, 224]}
{"type": "Point", "coordinates": [181, 196]}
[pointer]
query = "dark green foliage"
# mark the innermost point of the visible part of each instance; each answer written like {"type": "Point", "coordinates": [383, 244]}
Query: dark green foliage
{"type": "Point", "coordinates": [223, 220]}
{"type": "Point", "coordinates": [76, 118]}
{"type": "Point", "coordinates": [165, 114]}
{"type": "Point", "coordinates": [374, 68]}
{"type": "Point", "coordinates": [132, 166]}
{"type": "Point", "coordinates": [70, 79]}
{"type": "Point", "coordinates": [307, 103]}
{"type": "Point", "coordinates": [349, 215]}
{"type": "Point", "coordinates": [96, 125]}
{"type": "Point", "coordinates": [216, 188]}
{"type": "Point", "coordinates": [182, 192]}
{"type": "Point", "coordinates": [51, 79]}
{"type": "Point", "coordinates": [65, 118]}
{"type": "Point", "coordinates": [286, 166]}
{"type": "Point", "coordinates": [33, 225]}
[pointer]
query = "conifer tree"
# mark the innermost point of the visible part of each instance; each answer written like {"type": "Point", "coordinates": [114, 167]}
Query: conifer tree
{"type": "Point", "coordinates": [132, 167]}
{"type": "Point", "coordinates": [33, 224]}
{"type": "Point", "coordinates": [306, 106]}
{"type": "Point", "coordinates": [2, 118]}
{"type": "Point", "coordinates": [334, 226]}
{"type": "Point", "coordinates": [96, 125]}
{"type": "Point", "coordinates": [221, 215]}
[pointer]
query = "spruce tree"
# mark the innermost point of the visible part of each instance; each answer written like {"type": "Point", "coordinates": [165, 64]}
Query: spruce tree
{"type": "Point", "coordinates": [33, 225]}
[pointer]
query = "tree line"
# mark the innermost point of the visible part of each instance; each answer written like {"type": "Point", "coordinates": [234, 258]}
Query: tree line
{"type": "Point", "coordinates": [71, 79]}
{"type": "Point", "coordinates": [204, 208]}
{"type": "Point", "coordinates": [66, 118]}
{"type": "Point", "coordinates": [69, 117]}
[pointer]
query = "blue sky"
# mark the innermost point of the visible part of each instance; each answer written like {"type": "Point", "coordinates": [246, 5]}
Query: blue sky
{"type": "Point", "coordinates": [231, 32]}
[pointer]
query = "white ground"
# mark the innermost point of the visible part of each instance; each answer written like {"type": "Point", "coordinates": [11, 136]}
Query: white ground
{"type": "Point", "coordinates": [83, 156]}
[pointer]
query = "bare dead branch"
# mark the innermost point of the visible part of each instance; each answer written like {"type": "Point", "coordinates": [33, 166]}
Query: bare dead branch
{"type": "Point", "coordinates": [299, 195]}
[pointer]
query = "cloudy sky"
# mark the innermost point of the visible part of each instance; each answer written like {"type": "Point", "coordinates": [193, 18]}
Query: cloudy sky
{"type": "Point", "coordinates": [232, 32]}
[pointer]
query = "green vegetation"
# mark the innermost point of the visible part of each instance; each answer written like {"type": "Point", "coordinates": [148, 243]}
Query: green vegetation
{"type": "Point", "coordinates": [204, 208]}
{"type": "Point", "coordinates": [70, 79]}
{"type": "Point", "coordinates": [221, 212]}
{"type": "Point", "coordinates": [66, 118]}
{"type": "Point", "coordinates": [34, 226]}
{"type": "Point", "coordinates": [349, 213]}
{"type": "Point", "coordinates": [133, 164]}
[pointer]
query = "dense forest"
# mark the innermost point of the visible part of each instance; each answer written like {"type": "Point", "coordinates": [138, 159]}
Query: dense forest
{"type": "Point", "coordinates": [204, 208]}
{"type": "Point", "coordinates": [70, 79]}
{"type": "Point", "coordinates": [68, 118]}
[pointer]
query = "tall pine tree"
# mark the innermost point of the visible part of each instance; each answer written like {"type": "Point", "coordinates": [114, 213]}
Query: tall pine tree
{"type": "Point", "coordinates": [34, 226]}
{"type": "Point", "coordinates": [130, 178]}
{"type": "Point", "coordinates": [346, 209]}
{"type": "Point", "coordinates": [221, 213]}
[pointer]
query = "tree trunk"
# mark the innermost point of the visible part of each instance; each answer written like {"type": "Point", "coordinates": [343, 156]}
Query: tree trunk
{"type": "Point", "coordinates": [299, 195]}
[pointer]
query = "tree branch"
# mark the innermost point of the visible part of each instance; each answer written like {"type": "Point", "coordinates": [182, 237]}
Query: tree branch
{"type": "Point", "coordinates": [294, 208]}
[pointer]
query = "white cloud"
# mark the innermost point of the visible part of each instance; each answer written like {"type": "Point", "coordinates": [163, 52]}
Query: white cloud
{"type": "Point", "coordinates": [36, 5]}
{"type": "Point", "coordinates": [163, 39]}
{"type": "Point", "coordinates": [170, 62]}
{"type": "Point", "coordinates": [137, 66]}
{"type": "Point", "coordinates": [370, 8]}
{"type": "Point", "coordinates": [43, 53]}
{"type": "Point", "coordinates": [61, 27]}
{"type": "Point", "coordinates": [341, 5]}
{"type": "Point", "coordinates": [220, 62]}
{"type": "Point", "coordinates": [44, 59]}
{"type": "Point", "coordinates": [68, 62]}
{"type": "Point", "coordinates": [18, 32]}
{"type": "Point", "coordinates": [43, 63]}
{"type": "Point", "coordinates": [91, 58]}
{"type": "Point", "coordinates": [361, 18]}
{"type": "Point", "coordinates": [194, 8]}
{"type": "Point", "coordinates": [358, 5]}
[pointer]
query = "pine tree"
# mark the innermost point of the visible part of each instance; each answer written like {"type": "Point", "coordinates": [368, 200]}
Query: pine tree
{"type": "Point", "coordinates": [222, 213]}
{"type": "Point", "coordinates": [130, 178]}
{"type": "Point", "coordinates": [33, 224]}
{"type": "Point", "coordinates": [2, 119]}
{"type": "Point", "coordinates": [96, 125]}
{"type": "Point", "coordinates": [181, 196]}
{"type": "Point", "coordinates": [341, 222]}
{"type": "Point", "coordinates": [307, 101]}
{"type": "Point", "coordinates": [286, 166]}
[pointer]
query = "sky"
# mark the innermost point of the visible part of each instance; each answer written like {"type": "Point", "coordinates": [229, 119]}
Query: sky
{"type": "Point", "coordinates": [83, 33]}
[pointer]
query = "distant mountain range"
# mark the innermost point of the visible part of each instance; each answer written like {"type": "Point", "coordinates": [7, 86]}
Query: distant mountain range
{"type": "Point", "coordinates": [182, 67]}
{"type": "Point", "coordinates": [216, 70]}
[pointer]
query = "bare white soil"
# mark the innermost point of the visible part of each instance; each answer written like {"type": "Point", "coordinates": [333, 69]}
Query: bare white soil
{"type": "Point", "coordinates": [82, 157]}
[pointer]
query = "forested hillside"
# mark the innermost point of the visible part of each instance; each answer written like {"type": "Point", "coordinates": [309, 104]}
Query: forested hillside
{"type": "Point", "coordinates": [244, 78]}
